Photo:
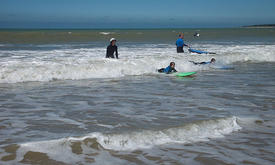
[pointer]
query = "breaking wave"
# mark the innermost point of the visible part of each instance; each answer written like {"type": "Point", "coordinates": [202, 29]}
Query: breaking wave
{"type": "Point", "coordinates": [86, 63]}
{"type": "Point", "coordinates": [70, 149]}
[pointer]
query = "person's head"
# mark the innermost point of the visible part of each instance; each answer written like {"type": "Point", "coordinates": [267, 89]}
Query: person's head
{"type": "Point", "coordinates": [113, 41]}
{"type": "Point", "coordinates": [172, 64]}
{"type": "Point", "coordinates": [213, 60]}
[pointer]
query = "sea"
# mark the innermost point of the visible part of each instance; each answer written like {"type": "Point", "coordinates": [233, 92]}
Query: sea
{"type": "Point", "coordinates": [63, 103]}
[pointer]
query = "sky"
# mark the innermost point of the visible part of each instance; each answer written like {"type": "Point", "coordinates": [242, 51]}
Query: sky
{"type": "Point", "coordinates": [135, 13]}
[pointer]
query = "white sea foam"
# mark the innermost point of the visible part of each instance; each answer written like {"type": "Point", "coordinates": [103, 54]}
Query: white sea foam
{"type": "Point", "coordinates": [194, 132]}
{"type": "Point", "coordinates": [60, 149]}
{"type": "Point", "coordinates": [85, 63]}
{"type": "Point", "coordinates": [105, 33]}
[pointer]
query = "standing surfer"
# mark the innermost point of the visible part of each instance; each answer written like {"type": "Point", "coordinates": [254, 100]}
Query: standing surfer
{"type": "Point", "coordinates": [111, 49]}
{"type": "Point", "coordinates": [180, 43]}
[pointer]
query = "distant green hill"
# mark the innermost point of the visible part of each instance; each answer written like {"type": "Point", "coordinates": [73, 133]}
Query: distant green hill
{"type": "Point", "coordinates": [260, 26]}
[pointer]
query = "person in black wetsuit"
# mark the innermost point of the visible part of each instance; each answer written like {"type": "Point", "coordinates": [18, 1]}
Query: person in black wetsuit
{"type": "Point", "coordinates": [213, 60]}
{"type": "Point", "coordinates": [111, 49]}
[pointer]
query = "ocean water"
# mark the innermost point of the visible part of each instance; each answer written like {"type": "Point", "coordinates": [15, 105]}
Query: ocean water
{"type": "Point", "coordinates": [62, 102]}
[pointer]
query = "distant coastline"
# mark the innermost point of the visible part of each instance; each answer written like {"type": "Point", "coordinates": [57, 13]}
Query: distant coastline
{"type": "Point", "coordinates": [260, 26]}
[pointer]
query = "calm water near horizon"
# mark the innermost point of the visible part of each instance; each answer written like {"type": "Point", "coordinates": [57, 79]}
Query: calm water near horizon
{"type": "Point", "coordinates": [64, 36]}
{"type": "Point", "coordinates": [62, 102]}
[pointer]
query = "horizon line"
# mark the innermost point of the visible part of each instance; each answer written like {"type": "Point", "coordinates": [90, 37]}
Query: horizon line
{"type": "Point", "coordinates": [130, 28]}
{"type": "Point", "coordinates": [133, 28]}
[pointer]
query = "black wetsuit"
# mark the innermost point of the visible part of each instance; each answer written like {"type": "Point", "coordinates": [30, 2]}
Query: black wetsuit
{"type": "Point", "coordinates": [180, 50]}
{"type": "Point", "coordinates": [110, 51]}
{"type": "Point", "coordinates": [200, 63]}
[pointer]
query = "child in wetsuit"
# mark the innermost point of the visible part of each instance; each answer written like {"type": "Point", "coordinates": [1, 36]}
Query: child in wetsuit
{"type": "Point", "coordinates": [169, 69]}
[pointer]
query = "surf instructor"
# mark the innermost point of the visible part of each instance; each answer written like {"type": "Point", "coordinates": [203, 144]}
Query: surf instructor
{"type": "Point", "coordinates": [180, 43]}
{"type": "Point", "coordinates": [111, 49]}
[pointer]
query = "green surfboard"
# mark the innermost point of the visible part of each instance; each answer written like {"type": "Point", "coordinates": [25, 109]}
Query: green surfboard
{"type": "Point", "coordinates": [183, 74]}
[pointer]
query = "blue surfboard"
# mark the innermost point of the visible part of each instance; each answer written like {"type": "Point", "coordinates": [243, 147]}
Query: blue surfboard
{"type": "Point", "coordinates": [222, 67]}
{"type": "Point", "coordinates": [199, 51]}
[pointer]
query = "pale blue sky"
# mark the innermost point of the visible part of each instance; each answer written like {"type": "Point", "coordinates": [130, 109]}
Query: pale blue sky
{"type": "Point", "coordinates": [134, 13]}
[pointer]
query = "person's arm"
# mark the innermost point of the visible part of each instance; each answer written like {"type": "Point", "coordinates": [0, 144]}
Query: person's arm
{"type": "Point", "coordinates": [116, 53]}
{"type": "Point", "coordinates": [195, 63]}
{"type": "Point", "coordinates": [184, 44]}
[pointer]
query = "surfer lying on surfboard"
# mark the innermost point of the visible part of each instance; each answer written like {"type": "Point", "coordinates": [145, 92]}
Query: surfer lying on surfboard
{"type": "Point", "coordinates": [168, 69]}
{"type": "Point", "coordinates": [213, 60]}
